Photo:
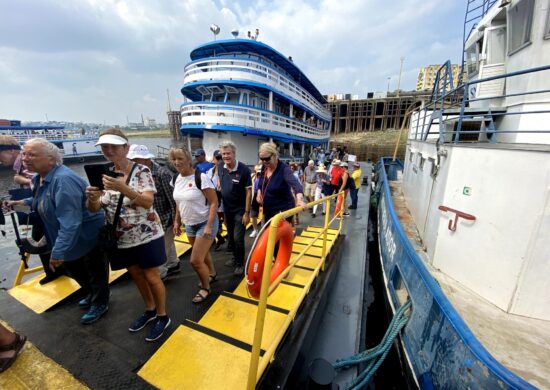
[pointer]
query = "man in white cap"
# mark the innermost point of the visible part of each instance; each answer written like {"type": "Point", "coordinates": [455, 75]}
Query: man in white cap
{"type": "Point", "coordinates": [163, 204]}
{"type": "Point", "coordinates": [310, 182]}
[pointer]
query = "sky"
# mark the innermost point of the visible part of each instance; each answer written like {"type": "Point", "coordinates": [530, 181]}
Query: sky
{"type": "Point", "coordinates": [112, 61]}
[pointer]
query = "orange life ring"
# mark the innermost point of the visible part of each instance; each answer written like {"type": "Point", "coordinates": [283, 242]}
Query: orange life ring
{"type": "Point", "coordinates": [255, 270]}
{"type": "Point", "coordinates": [339, 202]}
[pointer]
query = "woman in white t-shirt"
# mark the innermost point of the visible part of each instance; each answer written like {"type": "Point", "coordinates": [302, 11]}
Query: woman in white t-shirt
{"type": "Point", "coordinates": [196, 209]}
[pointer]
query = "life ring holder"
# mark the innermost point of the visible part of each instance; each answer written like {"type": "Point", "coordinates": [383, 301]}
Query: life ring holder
{"type": "Point", "coordinates": [255, 261]}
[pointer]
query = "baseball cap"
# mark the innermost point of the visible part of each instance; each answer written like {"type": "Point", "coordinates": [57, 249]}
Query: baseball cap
{"type": "Point", "coordinates": [199, 152]}
{"type": "Point", "coordinates": [139, 151]}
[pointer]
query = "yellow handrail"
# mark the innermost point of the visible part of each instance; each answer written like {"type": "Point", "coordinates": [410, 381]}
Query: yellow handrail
{"type": "Point", "coordinates": [266, 288]}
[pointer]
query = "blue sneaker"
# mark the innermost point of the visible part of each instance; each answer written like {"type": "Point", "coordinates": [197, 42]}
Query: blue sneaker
{"type": "Point", "coordinates": [85, 302]}
{"type": "Point", "coordinates": [94, 314]}
{"type": "Point", "coordinates": [143, 320]}
{"type": "Point", "coordinates": [160, 326]}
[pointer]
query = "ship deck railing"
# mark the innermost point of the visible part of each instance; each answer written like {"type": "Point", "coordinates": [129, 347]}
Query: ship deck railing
{"type": "Point", "coordinates": [253, 118]}
{"type": "Point", "coordinates": [53, 136]}
{"type": "Point", "coordinates": [253, 70]}
{"type": "Point", "coordinates": [452, 109]}
{"type": "Point", "coordinates": [256, 366]}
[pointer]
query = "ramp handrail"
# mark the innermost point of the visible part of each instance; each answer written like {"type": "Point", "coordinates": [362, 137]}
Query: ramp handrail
{"type": "Point", "coordinates": [266, 288]}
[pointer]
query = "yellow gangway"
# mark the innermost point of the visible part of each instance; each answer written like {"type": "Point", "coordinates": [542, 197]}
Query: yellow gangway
{"type": "Point", "coordinates": [236, 339]}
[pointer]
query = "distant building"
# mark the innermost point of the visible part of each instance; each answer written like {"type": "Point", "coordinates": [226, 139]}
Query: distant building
{"type": "Point", "coordinates": [426, 76]}
{"type": "Point", "coordinates": [150, 122]}
{"type": "Point", "coordinates": [380, 111]}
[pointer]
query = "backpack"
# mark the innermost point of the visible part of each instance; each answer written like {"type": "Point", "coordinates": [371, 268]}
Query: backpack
{"type": "Point", "coordinates": [198, 183]}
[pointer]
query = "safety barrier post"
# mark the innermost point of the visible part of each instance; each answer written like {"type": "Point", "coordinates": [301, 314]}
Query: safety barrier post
{"type": "Point", "coordinates": [262, 303]}
{"type": "Point", "coordinates": [325, 228]}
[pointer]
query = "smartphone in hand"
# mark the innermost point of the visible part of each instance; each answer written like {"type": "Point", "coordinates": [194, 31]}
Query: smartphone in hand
{"type": "Point", "coordinates": [95, 173]}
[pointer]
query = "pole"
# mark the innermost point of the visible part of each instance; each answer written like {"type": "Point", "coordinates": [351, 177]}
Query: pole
{"type": "Point", "coordinates": [388, 91]}
{"type": "Point", "coordinates": [399, 80]}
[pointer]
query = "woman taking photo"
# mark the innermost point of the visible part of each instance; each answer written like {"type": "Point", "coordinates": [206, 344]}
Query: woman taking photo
{"type": "Point", "coordinates": [196, 209]}
{"type": "Point", "coordinates": [140, 235]}
{"type": "Point", "coordinates": [276, 184]}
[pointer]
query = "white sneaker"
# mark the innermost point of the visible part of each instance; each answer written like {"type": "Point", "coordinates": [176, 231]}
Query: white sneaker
{"type": "Point", "coordinates": [254, 233]}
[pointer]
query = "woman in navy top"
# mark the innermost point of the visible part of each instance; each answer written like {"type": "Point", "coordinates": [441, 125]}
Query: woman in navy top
{"type": "Point", "coordinates": [275, 184]}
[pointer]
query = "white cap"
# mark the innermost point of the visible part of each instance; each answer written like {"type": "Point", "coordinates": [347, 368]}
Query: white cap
{"type": "Point", "coordinates": [139, 151]}
{"type": "Point", "coordinates": [111, 139]}
{"type": "Point", "coordinates": [344, 164]}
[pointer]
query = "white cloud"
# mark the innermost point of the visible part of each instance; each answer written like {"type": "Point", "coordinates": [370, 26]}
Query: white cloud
{"type": "Point", "coordinates": [108, 59]}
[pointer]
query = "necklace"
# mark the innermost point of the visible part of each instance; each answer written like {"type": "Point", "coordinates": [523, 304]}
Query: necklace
{"type": "Point", "coordinates": [265, 184]}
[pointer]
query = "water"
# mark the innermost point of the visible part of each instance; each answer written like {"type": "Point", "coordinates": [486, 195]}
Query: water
{"type": "Point", "coordinates": [9, 257]}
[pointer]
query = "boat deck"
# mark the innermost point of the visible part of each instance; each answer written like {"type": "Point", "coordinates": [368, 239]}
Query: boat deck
{"type": "Point", "coordinates": [521, 344]}
{"type": "Point", "coordinates": [105, 355]}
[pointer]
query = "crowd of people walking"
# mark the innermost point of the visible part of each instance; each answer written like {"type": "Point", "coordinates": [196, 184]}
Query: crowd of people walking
{"type": "Point", "coordinates": [143, 206]}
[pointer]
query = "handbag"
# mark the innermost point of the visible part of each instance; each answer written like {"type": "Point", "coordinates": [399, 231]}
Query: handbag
{"type": "Point", "coordinates": [108, 238]}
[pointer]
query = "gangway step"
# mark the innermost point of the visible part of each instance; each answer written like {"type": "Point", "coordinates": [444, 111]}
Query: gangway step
{"type": "Point", "coordinates": [206, 360]}
{"type": "Point", "coordinates": [235, 316]}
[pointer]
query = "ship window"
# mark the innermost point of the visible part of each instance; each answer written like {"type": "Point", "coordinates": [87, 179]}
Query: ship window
{"type": "Point", "coordinates": [422, 161]}
{"type": "Point", "coordinates": [520, 18]}
{"type": "Point", "coordinates": [547, 28]}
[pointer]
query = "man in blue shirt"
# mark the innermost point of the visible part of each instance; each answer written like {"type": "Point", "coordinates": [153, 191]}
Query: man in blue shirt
{"type": "Point", "coordinates": [71, 230]}
{"type": "Point", "coordinates": [236, 189]}
{"type": "Point", "coordinates": [201, 164]}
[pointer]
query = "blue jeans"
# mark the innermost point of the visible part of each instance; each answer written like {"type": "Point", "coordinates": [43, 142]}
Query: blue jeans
{"type": "Point", "coordinates": [353, 194]}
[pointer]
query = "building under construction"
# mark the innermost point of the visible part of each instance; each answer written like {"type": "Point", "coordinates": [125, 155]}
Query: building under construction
{"type": "Point", "coordinates": [377, 112]}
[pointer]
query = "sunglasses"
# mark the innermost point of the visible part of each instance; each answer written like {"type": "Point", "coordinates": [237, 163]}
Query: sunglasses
{"type": "Point", "coordinates": [265, 159]}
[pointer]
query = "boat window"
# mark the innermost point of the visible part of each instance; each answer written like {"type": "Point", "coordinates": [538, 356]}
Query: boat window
{"type": "Point", "coordinates": [547, 28]}
{"type": "Point", "coordinates": [472, 58]}
{"type": "Point", "coordinates": [520, 18]}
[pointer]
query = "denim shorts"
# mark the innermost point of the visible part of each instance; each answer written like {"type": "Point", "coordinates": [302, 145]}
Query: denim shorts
{"type": "Point", "coordinates": [198, 229]}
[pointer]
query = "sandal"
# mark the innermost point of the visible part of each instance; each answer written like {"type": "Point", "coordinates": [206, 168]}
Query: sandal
{"type": "Point", "coordinates": [199, 298]}
{"type": "Point", "coordinates": [211, 279]}
{"type": "Point", "coordinates": [16, 345]}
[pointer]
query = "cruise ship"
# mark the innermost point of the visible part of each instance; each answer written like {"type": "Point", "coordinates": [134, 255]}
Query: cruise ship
{"type": "Point", "coordinates": [464, 222]}
{"type": "Point", "coordinates": [75, 146]}
{"type": "Point", "coordinates": [245, 91]}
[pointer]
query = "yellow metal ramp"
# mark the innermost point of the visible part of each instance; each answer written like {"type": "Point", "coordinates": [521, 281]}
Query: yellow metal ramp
{"type": "Point", "coordinates": [224, 335]}
{"type": "Point", "coordinates": [40, 298]}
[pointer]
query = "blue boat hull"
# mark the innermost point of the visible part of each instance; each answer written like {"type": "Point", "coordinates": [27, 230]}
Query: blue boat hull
{"type": "Point", "coordinates": [441, 349]}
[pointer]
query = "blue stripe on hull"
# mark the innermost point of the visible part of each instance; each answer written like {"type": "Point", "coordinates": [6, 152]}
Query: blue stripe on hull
{"type": "Point", "coordinates": [197, 131]}
{"type": "Point", "coordinates": [442, 349]}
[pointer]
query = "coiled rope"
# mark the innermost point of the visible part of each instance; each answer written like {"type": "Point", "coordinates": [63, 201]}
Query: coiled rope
{"type": "Point", "coordinates": [375, 356]}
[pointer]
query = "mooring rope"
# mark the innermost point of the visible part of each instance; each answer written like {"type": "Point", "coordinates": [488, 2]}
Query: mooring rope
{"type": "Point", "coordinates": [375, 356]}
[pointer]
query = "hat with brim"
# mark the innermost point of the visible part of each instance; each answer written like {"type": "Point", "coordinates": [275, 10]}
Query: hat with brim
{"type": "Point", "coordinates": [321, 170]}
{"type": "Point", "coordinates": [111, 139]}
{"type": "Point", "coordinates": [139, 151]}
{"type": "Point", "coordinates": [335, 162]}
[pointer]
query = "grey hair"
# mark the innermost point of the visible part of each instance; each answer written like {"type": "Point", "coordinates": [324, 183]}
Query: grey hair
{"type": "Point", "coordinates": [50, 149]}
{"type": "Point", "coordinates": [228, 145]}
